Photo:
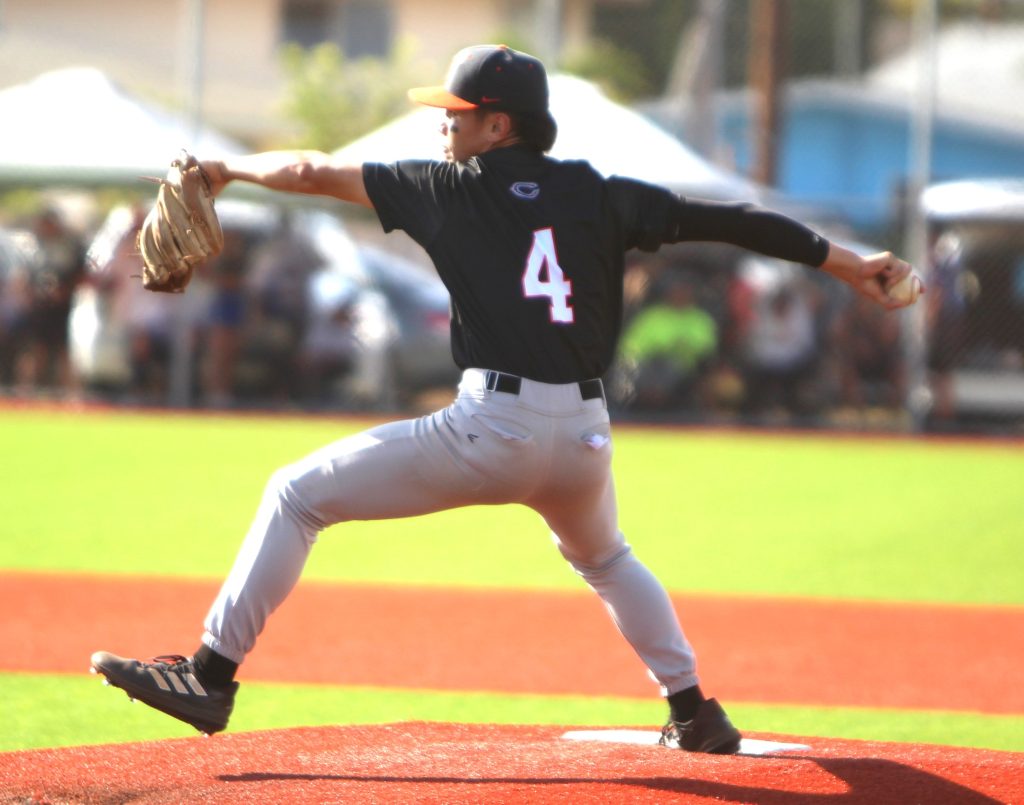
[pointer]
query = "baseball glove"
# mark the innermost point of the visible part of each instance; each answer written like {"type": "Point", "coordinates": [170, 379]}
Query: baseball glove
{"type": "Point", "coordinates": [181, 230]}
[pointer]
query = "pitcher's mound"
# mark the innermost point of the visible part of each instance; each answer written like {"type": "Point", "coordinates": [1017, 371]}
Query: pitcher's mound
{"type": "Point", "coordinates": [454, 763]}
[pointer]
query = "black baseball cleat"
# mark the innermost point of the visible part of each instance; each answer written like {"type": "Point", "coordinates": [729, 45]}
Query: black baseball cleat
{"type": "Point", "coordinates": [709, 731]}
{"type": "Point", "coordinates": [171, 685]}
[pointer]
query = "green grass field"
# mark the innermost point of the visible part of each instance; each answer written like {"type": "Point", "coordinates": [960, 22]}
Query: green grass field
{"type": "Point", "coordinates": [809, 515]}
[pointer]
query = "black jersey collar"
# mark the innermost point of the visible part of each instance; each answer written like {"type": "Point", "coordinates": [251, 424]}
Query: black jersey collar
{"type": "Point", "coordinates": [517, 152]}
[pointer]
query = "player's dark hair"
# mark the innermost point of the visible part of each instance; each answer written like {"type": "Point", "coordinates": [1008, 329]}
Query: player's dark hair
{"type": "Point", "coordinates": [538, 129]}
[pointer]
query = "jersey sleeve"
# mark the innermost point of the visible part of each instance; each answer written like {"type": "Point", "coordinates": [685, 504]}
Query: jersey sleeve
{"type": "Point", "coordinates": [653, 216]}
{"type": "Point", "coordinates": [644, 211]}
{"type": "Point", "coordinates": [409, 195]}
{"type": "Point", "coordinates": [751, 227]}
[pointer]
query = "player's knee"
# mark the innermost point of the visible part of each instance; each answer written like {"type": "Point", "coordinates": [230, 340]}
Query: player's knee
{"type": "Point", "coordinates": [600, 564]}
{"type": "Point", "coordinates": [289, 487]}
{"type": "Point", "coordinates": [280, 485]}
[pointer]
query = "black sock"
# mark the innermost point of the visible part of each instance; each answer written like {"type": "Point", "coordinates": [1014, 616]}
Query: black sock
{"type": "Point", "coordinates": [215, 668]}
{"type": "Point", "coordinates": [683, 704]}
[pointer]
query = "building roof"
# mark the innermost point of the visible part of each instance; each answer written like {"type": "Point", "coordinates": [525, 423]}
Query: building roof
{"type": "Point", "coordinates": [979, 72]}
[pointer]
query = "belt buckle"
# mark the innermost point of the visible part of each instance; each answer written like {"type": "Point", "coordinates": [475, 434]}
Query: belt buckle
{"type": "Point", "coordinates": [503, 382]}
{"type": "Point", "coordinates": [592, 389]}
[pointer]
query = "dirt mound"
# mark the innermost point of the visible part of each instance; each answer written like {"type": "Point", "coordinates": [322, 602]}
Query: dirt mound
{"type": "Point", "coordinates": [462, 763]}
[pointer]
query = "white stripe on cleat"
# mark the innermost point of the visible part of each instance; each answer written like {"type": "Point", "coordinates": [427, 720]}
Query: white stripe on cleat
{"type": "Point", "coordinates": [179, 686]}
{"type": "Point", "coordinates": [160, 683]}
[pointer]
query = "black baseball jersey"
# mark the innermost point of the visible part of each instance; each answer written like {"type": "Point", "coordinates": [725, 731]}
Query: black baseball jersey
{"type": "Point", "coordinates": [532, 251]}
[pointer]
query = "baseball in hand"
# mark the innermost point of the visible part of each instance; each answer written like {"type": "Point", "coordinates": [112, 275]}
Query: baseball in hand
{"type": "Point", "coordinates": [905, 290]}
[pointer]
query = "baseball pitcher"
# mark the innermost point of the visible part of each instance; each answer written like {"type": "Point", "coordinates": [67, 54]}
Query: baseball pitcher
{"type": "Point", "coordinates": [531, 250]}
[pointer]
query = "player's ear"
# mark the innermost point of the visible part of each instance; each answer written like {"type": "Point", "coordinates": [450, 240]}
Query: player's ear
{"type": "Point", "coordinates": [499, 125]}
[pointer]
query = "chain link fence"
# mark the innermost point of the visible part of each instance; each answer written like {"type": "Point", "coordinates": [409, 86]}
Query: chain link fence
{"type": "Point", "coordinates": [845, 111]}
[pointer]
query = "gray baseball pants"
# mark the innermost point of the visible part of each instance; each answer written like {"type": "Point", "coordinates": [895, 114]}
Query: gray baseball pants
{"type": "Point", "coordinates": [545, 447]}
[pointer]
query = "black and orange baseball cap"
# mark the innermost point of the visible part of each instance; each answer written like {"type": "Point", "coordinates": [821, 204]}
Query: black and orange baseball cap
{"type": "Point", "coordinates": [489, 77]}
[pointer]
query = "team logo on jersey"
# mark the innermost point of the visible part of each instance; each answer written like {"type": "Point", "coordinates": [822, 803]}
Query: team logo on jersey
{"type": "Point", "coordinates": [527, 190]}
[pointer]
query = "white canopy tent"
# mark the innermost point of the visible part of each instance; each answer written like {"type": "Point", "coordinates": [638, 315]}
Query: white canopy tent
{"type": "Point", "coordinates": [614, 139]}
{"type": "Point", "coordinates": [76, 125]}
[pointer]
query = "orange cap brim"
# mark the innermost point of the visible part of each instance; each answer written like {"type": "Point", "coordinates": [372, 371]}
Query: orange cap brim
{"type": "Point", "coordinates": [439, 97]}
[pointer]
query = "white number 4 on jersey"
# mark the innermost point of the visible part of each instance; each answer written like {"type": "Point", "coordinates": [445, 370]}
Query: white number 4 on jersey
{"type": "Point", "coordinates": [556, 287]}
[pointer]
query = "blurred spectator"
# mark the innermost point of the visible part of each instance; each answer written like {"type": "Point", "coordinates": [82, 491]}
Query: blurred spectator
{"type": "Point", "coordinates": [641, 275]}
{"type": "Point", "coordinates": [868, 349]}
{"type": "Point", "coordinates": [667, 348]}
{"type": "Point", "coordinates": [279, 275]}
{"type": "Point", "coordinates": [226, 275]}
{"type": "Point", "coordinates": [946, 309]}
{"type": "Point", "coordinates": [278, 289]}
{"type": "Point", "coordinates": [122, 336]}
{"type": "Point", "coordinates": [780, 350]}
{"type": "Point", "coordinates": [331, 344]}
{"type": "Point", "coordinates": [59, 268]}
{"type": "Point", "coordinates": [15, 270]}
{"type": "Point", "coordinates": [148, 317]}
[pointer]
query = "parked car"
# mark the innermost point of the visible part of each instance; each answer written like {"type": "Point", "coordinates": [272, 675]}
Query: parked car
{"type": "Point", "coordinates": [419, 305]}
{"type": "Point", "coordinates": [326, 322]}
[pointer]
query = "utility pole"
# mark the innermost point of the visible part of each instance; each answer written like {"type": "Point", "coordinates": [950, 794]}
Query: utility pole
{"type": "Point", "coordinates": [919, 175]}
{"type": "Point", "coordinates": [696, 75]}
{"type": "Point", "coordinates": [765, 76]}
{"type": "Point", "coordinates": [548, 16]}
{"type": "Point", "coordinates": [195, 40]}
{"type": "Point", "coordinates": [849, 38]}
{"type": "Point", "coordinates": [180, 379]}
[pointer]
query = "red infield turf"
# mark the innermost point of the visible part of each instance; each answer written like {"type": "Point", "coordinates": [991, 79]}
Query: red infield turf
{"type": "Point", "coordinates": [754, 650]}
{"type": "Point", "coordinates": [824, 653]}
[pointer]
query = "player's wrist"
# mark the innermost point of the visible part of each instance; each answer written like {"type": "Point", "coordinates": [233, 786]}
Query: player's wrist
{"type": "Point", "coordinates": [218, 173]}
{"type": "Point", "coordinates": [842, 264]}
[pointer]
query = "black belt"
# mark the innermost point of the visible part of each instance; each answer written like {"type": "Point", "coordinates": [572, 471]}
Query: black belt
{"type": "Point", "coordinates": [512, 384]}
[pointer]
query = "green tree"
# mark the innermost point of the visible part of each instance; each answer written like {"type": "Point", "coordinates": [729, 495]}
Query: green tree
{"type": "Point", "coordinates": [332, 100]}
{"type": "Point", "coordinates": [619, 72]}
{"type": "Point", "coordinates": [648, 30]}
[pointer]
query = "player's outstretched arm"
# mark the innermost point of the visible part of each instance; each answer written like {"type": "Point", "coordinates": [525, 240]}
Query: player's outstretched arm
{"type": "Point", "coordinates": [774, 234]}
{"type": "Point", "coordinates": [308, 172]}
{"type": "Point", "coordinates": [869, 275]}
